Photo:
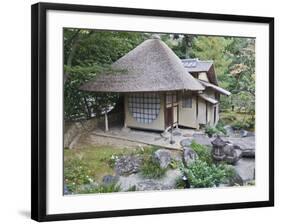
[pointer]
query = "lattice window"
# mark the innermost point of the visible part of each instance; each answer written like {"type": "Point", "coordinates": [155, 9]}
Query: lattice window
{"type": "Point", "coordinates": [144, 107]}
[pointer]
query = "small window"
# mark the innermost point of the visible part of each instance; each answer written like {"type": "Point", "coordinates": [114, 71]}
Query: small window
{"type": "Point", "coordinates": [187, 101]}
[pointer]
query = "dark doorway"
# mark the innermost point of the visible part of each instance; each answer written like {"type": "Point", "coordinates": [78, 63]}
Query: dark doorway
{"type": "Point", "coordinates": [169, 117]}
{"type": "Point", "coordinates": [215, 114]}
{"type": "Point", "coordinates": [171, 109]}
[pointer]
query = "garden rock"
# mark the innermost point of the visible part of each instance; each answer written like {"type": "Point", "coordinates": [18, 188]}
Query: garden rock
{"type": "Point", "coordinates": [189, 155]}
{"type": "Point", "coordinates": [229, 130]}
{"type": "Point", "coordinates": [232, 154]}
{"type": "Point", "coordinates": [246, 145]}
{"type": "Point", "coordinates": [202, 139]}
{"type": "Point", "coordinates": [245, 168]}
{"type": "Point", "coordinates": [244, 133]}
{"type": "Point", "coordinates": [236, 180]}
{"type": "Point", "coordinates": [109, 179]}
{"type": "Point", "coordinates": [185, 142]}
{"type": "Point", "coordinates": [163, 157]}
{"type": "Point", "coordinates": [151, 185]}
{"type": "Point", "coordinates": [225, 151]}
{"type": "Point", "coordinates": [128, 164]}
{"type": "Point", "coordinates": [138, 182]}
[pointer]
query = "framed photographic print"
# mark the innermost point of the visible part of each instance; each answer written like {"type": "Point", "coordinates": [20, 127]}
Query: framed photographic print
{"type": "Point", "coordinates": [139, 111]}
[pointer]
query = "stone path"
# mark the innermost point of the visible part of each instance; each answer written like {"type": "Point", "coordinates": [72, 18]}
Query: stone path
{"type": "Point", "coordinates": [147, 137]}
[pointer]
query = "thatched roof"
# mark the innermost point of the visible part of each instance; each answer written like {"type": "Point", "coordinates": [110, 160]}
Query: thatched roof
{"type": "Point", "coordinates": [151, 66]}
{"type": "Point", "coordinates": [214, 87]}
{"type": "Point", "coordinates": [194, 65]}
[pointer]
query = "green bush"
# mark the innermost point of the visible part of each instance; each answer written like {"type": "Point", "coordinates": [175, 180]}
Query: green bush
{"type": "Point", "coordinates": [151, 169]}
{"type": "Point", "coordinates": [220, 127]}
{"type": "Point", "coordinates": [174, 164]}
{"type": "Point", "coordinates": [228, 118]}
{"type": "Point", "coordinates": [202, 151]}
{"type": "Point", "coordinates": [180, 184]}
{"type": "Point", "coordinates": [210, 130]}
{"type": "Point", "coordinates": [200, 174]}
{"type": "Point", "coordinates": [76, 173]}
{"type": "Point", "coordinates": [103, 188]}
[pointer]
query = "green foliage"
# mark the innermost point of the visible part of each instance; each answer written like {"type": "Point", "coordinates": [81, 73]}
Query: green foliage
{"type": "Point", "coordinates": [86, 54]}
{"type": "Point", "coordinates": [103, 188]}
{"type": "Point", "coordinates": [180, 184]}
{"type": "Point", "coordinates": [76, 173]}
{"type": "Point", "coordinates": [248, 124]}
{"type": "Point", "coordinates": [151, 169]}
{"type": "Point", "coordinates": [202, 151]}
{"type": "Point", "coordinates": [213, 48]}
{"type": "Point", "coordinates": [228, 118]}
{"type": "Point", "coordinates": [211, 130]}
{"type": "Point", "coordinates": [174, 164]}
{"type": "Point", "coordinates": [220, 127]}
{"type": "Point", "coordinates": [201, 174]}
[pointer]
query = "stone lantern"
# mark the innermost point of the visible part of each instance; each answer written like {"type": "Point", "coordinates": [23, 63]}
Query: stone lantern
{"type": "Point", "coordinates": [218, 149]}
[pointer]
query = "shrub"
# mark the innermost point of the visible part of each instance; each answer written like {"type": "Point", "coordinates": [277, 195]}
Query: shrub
{"type": "Point", "coordinates": [210, 130]}
{"type": "Point", "coordinates": [202, 151]}
{"type": "Point", "coordinates": [103, 188]}
{"type": "Point", "coordinates": [174, 164]}
{"type": "Point", "coordinates": [220, 127]}
{"type": "Point", "coordinates": [228, 118]}
{"type": "Point", "coordinates": [151, 169]}
{"type": "Point", "coordinates": [112, 160]}
{"type": "Point", "coordinates": [180, 184]}
{"type": "Point", "coordinates": [76, 173]}
{"type": "Point", "coordinates": [200, 174]}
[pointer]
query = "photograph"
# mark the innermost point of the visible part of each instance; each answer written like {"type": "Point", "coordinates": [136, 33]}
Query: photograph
{"type": "Point", "coordinates": [157, 111]}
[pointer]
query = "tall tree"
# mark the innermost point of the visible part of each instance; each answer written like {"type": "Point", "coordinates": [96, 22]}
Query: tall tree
{"type": "Point", "coordinates": [87, 53]}
{"type": "Point", "coordinates": [215, 49]}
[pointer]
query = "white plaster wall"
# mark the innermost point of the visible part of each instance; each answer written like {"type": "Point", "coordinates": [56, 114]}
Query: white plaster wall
{"type": "Point", "coordinates": [187, 116]}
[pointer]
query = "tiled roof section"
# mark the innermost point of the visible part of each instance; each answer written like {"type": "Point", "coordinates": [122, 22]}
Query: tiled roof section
{"type": "Point", "coordinates": [195, 65]}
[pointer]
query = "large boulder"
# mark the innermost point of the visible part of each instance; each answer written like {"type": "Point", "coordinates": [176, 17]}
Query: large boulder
{"type": "Point", "coordinates": [150, 185]}
{"type": "Point", "coordinates": [245, 168]}
{"type": "Point", "coordinates": [226, 151]}
{"type": "Point", "coordinates": [202, 139]}
{"type": "Point", "coordinates": [229, 130]}
{"type": "Point", "coordinates": [245, 144]}
{"type": "Point", "coordinates": [128, 164]}
{"type": "Point", "coordinates": [186, 142]}
{"type": "Point", "coordinates": [163, 157]}
{"type": "Point", "coordinates": [244, 133]}
{"type": "Point", "coordinates": [232, 154]}
{"type": "Point", "coordinates": [189, 155]}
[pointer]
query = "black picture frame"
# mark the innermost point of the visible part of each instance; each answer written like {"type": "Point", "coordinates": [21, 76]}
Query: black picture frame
{"type": "Point", "coordinates": [38, 108]}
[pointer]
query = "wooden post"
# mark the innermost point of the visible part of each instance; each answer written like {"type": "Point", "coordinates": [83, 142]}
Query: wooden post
{"type": "Point", "coordinates": [106, 120]}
